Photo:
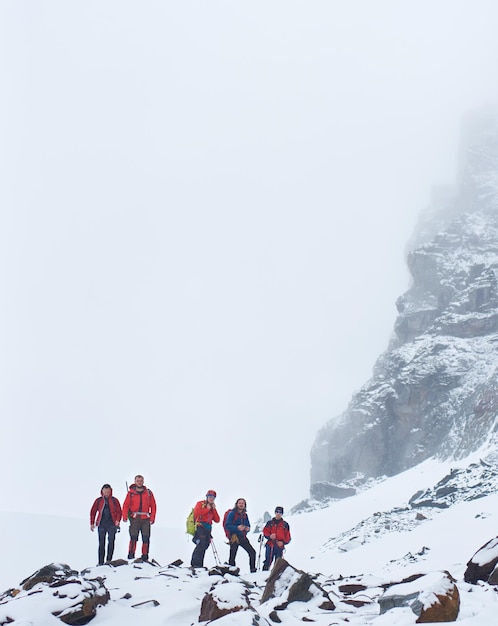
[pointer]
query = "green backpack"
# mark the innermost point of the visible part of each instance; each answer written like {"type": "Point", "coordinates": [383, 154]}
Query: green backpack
{"type": "Point", "coordinates": [191, 523]}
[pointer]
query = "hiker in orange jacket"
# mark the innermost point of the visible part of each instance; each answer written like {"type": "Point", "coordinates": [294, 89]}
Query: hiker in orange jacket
{"type": "Point", "coordinates": [140, 508]}
{"type": "Point", "coordinates": [205, 514]}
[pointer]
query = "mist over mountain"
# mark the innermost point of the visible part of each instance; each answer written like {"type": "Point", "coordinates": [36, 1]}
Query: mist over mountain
{"type": "Point", "coordinates": [434, 390]}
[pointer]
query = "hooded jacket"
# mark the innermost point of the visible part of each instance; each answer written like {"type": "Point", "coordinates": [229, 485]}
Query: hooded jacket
{"type": "Point", "coordinates": [98, 507]}
{"type": "Point", "coordinates": [140, 504]}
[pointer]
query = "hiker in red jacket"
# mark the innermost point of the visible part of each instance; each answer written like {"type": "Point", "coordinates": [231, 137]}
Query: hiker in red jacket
{"type": "Point", "coordinates": [205, 514]}
{"type": "Point", "coordinates": [140, 508]}
{"type": "Point", "coordinates": [277, 532]}
{"type": "Point", "coordinates": [106, 515]}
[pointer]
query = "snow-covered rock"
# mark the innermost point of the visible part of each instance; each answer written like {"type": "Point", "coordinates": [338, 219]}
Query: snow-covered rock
{"type": "Point", "coordinates": [433, 597]}
{"type": "Point", "coordinates": [483, 562]}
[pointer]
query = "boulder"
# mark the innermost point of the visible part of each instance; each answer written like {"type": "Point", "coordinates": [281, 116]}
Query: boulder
{"type": "Point", "coordinates": [432, 597]}
{"type": "Point", "coordinates": [223, 598]}
{"type": "Point", "coordinates": [287, 584]}
{"type": "Point", "coordinates": [483, 563]}
{"type": "Point", "coordinates": [48, 574]}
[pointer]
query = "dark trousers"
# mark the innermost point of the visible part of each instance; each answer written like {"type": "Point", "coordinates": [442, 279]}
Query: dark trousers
{"type": "Point", "coordinates": [137, 526]}
{"type": "Point", "coordinates": [202, 539]}
{"type": "Point", "coordinates": [272, 552]}
{"type": "Point", "coordinates": [243, 542]}
{"type": "Point", "coordinates": [110, 532]}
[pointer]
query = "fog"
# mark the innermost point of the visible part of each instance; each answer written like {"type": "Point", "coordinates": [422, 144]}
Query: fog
{"type": "Point", "coordinates": [204, 215]}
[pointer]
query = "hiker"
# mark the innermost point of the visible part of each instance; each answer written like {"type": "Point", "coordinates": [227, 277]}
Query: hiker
{"type": "Point", "coordinates": [277, 532]}
{"type": "Point", "coordinates": [237, 526]}
{"type": "Point", "coordinates": [205, 514]}
{"type": "Point", "coordinates": [106, 515]}
{"type": "Point", "coordinates": [140, 508]}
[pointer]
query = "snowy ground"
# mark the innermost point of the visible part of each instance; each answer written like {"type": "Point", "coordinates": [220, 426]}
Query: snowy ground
{"type": "Point", "coordinates": [444, 541]}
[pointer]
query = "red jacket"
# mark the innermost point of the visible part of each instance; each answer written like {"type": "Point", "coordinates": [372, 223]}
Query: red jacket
{"type": "Point", "coordinates": [278, 527]}
{"type": "Point", "coordinates": [98, 505]}
{"type": "Point", "coordinates": [204, 515]}
{"type": "Point", "coordinates": [139, 504]}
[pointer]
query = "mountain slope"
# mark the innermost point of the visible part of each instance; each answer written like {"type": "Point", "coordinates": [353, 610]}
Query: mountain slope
{"type": "Point", "coordinates": [434, 390]}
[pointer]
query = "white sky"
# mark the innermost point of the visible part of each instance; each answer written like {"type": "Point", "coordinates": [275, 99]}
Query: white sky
{"type": "Point", "coordinates": [204, 211]}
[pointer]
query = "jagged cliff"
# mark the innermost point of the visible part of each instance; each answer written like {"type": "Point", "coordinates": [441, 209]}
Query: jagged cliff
{"type": "Point", "coordinates": [435, 389]}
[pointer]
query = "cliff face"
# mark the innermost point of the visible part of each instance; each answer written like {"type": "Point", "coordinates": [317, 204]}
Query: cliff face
{"type": "Point", "coordinates": [435, 390]}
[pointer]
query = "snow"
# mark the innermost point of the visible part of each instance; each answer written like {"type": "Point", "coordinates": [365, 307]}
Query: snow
{"type": "Point", "coordinates": [445, 541]}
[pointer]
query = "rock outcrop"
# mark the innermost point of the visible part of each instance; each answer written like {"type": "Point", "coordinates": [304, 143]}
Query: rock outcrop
{"type": "Point", "coordinates": [432, 597]}
{"type": "Point", "coordinates": [435, 390]}
{"type": "Point", "coordinates": [73, 598]}
{"type": "Point", "coordinates": [287, 584]}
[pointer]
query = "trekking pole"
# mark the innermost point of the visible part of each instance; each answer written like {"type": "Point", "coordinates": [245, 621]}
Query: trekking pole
{"type": "Point", "coordinates": [215, 552]}
{"type": "Point", "coordinates": [271, 554]}
{"type": "Point", "coordinates": [260, 539]}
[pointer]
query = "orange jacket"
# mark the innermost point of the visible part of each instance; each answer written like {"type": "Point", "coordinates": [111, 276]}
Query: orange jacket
{"type": "Point", "coordinates": [139, 504]}
{"type": "Point", "coordinates": [205, 516]}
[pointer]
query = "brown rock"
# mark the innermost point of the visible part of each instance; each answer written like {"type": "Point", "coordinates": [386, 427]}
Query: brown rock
{"type": "Point", "coordinates": [446, 608]}
{"type": "Point", "coordinates": [210, 609]}
{"type": "Point", "coordinates": [432, 597]}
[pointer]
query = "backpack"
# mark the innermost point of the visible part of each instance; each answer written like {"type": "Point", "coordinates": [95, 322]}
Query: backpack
{"type": "Point", "coordinates": [235, 518]}
{"type": "Point", "coordinates": [191, 523]}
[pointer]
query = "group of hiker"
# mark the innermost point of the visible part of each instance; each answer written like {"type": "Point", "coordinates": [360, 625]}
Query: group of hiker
{"type": "Point", "coordinates": [139, 508]}
{"type": "Point", "coordinates": [236, 524]}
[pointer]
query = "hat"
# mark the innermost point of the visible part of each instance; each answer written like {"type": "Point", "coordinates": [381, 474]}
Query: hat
{"type": "Point", "coordinates": [279, 509]}
{"type": "Point", "coordinates": [106, 486]}
{"type": "Point", "coordinates": [211, 492]}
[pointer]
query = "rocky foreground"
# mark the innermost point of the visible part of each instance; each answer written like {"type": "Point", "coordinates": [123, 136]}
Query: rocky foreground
{"type": "Point", "coordinates": [117, 591]}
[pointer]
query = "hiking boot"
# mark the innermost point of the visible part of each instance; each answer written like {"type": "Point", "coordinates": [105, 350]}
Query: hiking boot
{"type": "Point", "coordinates": [253, 570]}
{"type": "Point", "coordinates": [266, 568]}
{"type": "Point", "coordinates": [131, 556]}
{"type": "Point", "coordinates": [145, 557]}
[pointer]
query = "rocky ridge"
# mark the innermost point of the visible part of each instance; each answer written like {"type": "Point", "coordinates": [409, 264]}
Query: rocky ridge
{"type": "Point", "coordinates": [434, 392]}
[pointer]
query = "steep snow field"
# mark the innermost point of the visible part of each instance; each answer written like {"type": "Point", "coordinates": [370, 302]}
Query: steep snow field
{"type": "Point", "coordinates": [446, 540]}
